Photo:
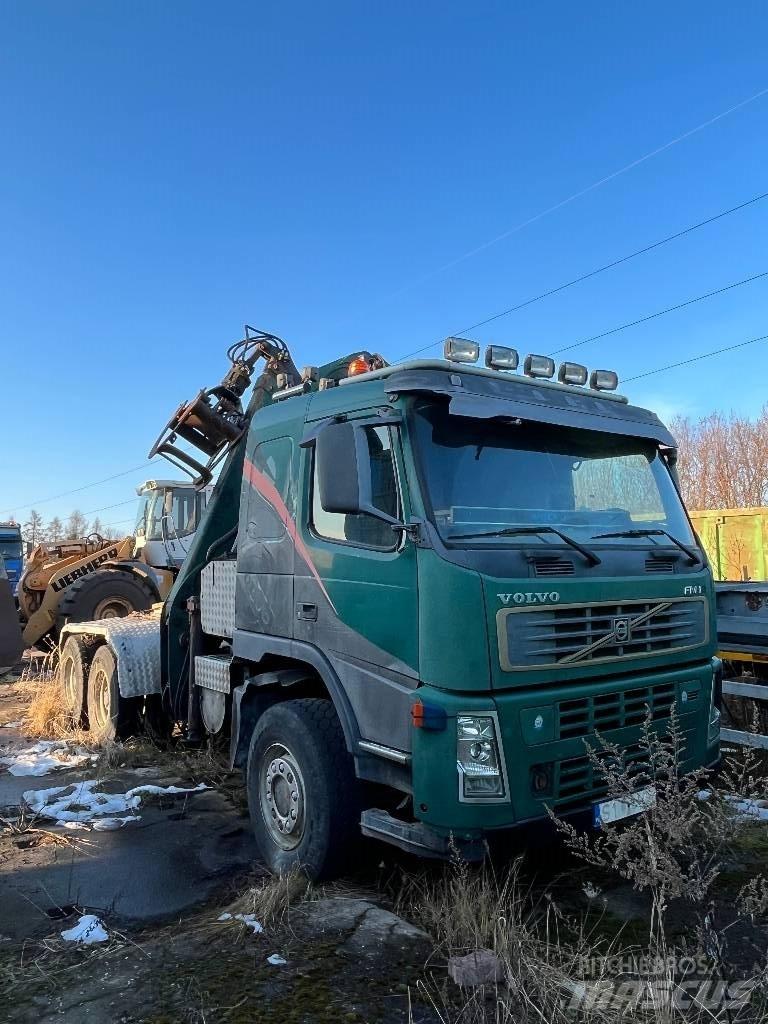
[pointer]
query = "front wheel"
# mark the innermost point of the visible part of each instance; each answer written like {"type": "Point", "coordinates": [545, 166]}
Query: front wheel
{"type": "Point", "coordinates": [302, 791]}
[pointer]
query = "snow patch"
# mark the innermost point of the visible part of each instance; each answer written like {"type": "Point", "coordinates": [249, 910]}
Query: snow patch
{"type": "Point", "coordinates": [88, 930]}
{"type": "Point", "coordinates": [82, 804]}
{"type": "Point", "coordinates": [43, 757]}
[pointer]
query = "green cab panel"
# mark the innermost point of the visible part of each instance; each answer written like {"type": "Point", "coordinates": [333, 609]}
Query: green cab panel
{"type": "Point", "coordinates": [453, 637]}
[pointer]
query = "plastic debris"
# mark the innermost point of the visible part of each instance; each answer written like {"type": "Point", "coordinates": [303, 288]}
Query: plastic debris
{"type": "Point", "coordinates": [276, 960]}
{"type": "Point", "coordinates": [89, 929]}
{"type": "Point", "coordinates": [246, 919]}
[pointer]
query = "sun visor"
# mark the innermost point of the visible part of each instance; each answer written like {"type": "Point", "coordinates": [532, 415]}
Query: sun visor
{"type": "Point", "coordinates": [486, 397]}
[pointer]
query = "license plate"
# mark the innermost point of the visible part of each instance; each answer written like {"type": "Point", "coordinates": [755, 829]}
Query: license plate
{"type": "Point", "coordinates": [614, 810]}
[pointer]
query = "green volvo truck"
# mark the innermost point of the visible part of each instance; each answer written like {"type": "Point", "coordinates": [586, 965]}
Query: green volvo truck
{"type": "Point", "coordinates": [418, 591]}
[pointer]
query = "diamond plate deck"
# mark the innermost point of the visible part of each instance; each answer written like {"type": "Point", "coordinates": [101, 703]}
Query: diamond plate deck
{"type": "Point", "coordinates": [212, 672]}
{"type": "Point", "coordinates": [217, 598]}
{"type": "Point", "coordinates": [136, 643]}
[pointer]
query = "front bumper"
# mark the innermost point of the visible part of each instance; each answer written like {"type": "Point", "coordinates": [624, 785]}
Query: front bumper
{"type": "Point", "coordinates": [543, 733]}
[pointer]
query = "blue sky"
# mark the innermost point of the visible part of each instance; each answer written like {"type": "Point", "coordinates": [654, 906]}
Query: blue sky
{"type": "Point", "coordinates": [173, 170]}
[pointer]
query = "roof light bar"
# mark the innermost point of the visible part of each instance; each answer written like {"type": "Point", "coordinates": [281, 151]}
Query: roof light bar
{"type": "Point", "coordinates": [539, 366]}
{"type": "Point", "coordinates": [499, 357]}
{"type": "Point", "coordinates": [461, 350]}
{"type": "Point", "coordinates": [604, 380]}
{"type": "Point", "coordinates": [572, 373]}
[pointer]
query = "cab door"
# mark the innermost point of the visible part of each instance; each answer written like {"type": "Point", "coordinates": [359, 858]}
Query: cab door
{"type": "Point", "coordinates": [356, 593]}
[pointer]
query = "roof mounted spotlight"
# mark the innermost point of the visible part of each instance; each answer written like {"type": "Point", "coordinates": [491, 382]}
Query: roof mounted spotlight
{"type": "Point", "coordinates": [604, 380]}
{"type": "Point", "coordinates": [498, 357]}
{"type": "Point", "coordinates": [572, 373]}
{"type": "Point", "coordinates": [539, 366]}
{"type": "Point", "coordinates": [461, 350]}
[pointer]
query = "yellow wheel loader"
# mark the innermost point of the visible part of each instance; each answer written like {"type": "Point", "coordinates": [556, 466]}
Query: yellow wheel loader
{"type": "Point", "coordinates": [94, 578]}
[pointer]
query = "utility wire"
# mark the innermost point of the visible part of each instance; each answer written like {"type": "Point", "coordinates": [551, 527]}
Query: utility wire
{"type": "Point", "coordinates": [696, 359]}
{"type": "Point", "coordinates": [118, 504]}
{"type": "Point", "coordinates": [595, 272]}
{"type": "Point", "coordinates": [661, 312]}
{"type": "Point", "coordinates": [76, 490]}
{"type": "Point", "coordinates": [582, 192]}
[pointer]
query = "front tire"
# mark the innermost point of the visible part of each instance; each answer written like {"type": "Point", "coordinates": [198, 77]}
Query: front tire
{"type": "Point", "coordinates": [303, 796]}
{"type": "Point", "coordinates": [106, 594]}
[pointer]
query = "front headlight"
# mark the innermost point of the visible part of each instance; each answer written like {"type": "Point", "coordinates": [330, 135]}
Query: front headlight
{"type": "Point", "coordinates": [478, 757]}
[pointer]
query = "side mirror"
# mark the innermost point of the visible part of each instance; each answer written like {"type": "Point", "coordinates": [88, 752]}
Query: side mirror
{"type": "Point", "coordinates": [343, 463]}
{"type": "Point", "coordinates": [343, 469]}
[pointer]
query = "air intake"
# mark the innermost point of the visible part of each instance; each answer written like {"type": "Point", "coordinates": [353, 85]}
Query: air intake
{"type": "Point", "coordinates": [659, 565]}
{"type": "Point", "coordinates": [553, 567]}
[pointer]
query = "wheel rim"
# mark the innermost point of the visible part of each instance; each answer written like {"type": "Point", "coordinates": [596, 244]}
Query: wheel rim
{"type": "Point", "coordinates": [113, 608]}
{"type": "Point", "coordinates": [72, 699]}
{"type": "Point", "coordinates": [99, 711]}
{"type": "Point", "coordinates": [281, 795]}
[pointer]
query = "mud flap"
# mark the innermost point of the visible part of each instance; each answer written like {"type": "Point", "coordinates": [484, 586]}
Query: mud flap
{"type": "Point", "coordinates": [11, 646]}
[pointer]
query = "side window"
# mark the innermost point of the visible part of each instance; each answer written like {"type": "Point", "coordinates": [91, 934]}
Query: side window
{"type": "Point", "coordinates": [272, 489]}
{"type": "Point", "coordinates": [363, 529]}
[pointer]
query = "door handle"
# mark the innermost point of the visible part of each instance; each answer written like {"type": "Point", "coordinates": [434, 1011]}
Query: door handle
{"type": "Point", "coordinates": [307, 612]}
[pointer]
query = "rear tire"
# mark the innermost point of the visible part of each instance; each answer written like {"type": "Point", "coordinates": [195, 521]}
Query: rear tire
{"type": "Point", "coordinates": [303, 796]}
{"type": "Point", "coordinates": [110, 716]}
{"type": "Point", "coordinates": [75, 661]}
{"type": "Point", "coordinates": [106, 594]}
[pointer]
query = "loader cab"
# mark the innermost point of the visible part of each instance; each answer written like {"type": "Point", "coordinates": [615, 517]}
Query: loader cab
{"type": "Point", "coordinates": [169, 513]}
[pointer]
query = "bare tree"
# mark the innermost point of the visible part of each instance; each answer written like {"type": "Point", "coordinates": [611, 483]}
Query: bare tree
{"type": "Point", "coordinates": [723, 460]}
{"type": "Point", "coordinates": [33, 531]}
{"type": "Point", "coordinates": [76, 525]}
{"type": "Point", "coordinates": [55, 531]}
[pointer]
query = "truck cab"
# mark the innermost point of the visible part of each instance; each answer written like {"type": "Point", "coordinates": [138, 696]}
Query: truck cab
{"type": "Point", "coordinates": [476, 571]}
{"type": "Point", "coordinates": [12, 553]}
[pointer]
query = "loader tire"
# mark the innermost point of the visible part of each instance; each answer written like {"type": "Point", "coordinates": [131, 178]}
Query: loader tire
{"type": "Point", "coordinates": [110, 716]}
{"type": "Point", "coordinates": [74, 663]}
{"type": "Point", "coordinates": [303, 796]}
{"type": "Point", "coordinates": [106, 594]}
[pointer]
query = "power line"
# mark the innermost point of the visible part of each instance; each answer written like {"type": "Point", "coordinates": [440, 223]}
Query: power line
{"type": "Point", "coordinates": [582, 192]}
{"type": "Point", "coordinates": [596, 271]}
{"type": "Point", "coordinates": [696, 359]}
{"type": "Point", "coordinates": [104, 508]}
{"type": "Point", "coordinates": [661, 312]}
{"type": "Point", "coordinates": [76, 490]}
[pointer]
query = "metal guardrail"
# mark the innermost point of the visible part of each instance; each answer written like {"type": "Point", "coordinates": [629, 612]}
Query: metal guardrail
{"type": "Point", "coordinates": [754, 691]}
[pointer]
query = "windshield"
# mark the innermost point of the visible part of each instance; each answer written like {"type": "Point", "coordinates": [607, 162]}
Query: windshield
{"type": "Point", "coordinates": [10, 549]}
{"type": "Point", "coordinates": [483, 475]}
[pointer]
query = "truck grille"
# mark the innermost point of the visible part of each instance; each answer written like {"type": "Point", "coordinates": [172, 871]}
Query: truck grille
{"type": "Point", "coordinates": [562, 635]}
{"type": "Point", "coordinates": [582, 716]}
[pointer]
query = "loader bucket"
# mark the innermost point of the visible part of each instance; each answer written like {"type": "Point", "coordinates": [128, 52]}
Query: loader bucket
{"type": "Point", "coordinates": [11, 646]}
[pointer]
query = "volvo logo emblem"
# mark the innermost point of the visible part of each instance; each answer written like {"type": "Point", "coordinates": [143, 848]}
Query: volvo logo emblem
{"type": "Point", "coordinates": [622, 629]}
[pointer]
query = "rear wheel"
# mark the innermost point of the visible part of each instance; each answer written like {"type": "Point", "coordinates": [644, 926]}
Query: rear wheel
{"type": "Point", "coordinates": [106, 594]}
{"type": "Point", "coordinates": [302, 792]}
{"type": "Point", "coordinates": [76, 656]}
{"type": "Point", "coordinates": [110, 716]}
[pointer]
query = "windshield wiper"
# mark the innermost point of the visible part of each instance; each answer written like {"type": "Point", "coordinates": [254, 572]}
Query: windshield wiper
{"type": "Point", "coordinates": [511, 531]}
{"type": "Point", "coordinates": [693, 556]}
